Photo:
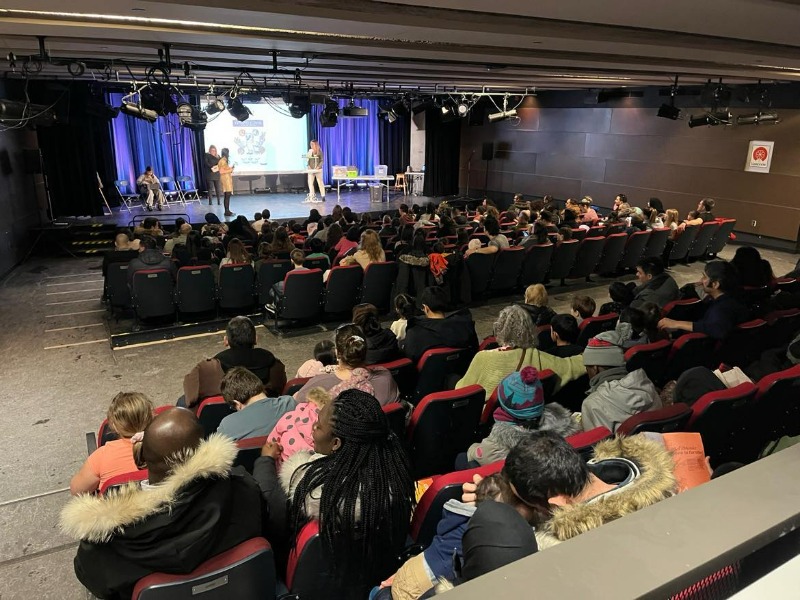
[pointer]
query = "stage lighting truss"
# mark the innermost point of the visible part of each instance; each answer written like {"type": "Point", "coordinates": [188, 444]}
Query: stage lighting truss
{"type": "Point", "coordinates": [192, 117]}
{"type": "Point", "coordinates": [504, 113]}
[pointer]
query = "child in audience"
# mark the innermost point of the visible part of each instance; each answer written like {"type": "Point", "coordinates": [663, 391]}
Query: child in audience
{"type": "Point", "coordinates": [129, 414]}
{"type": "Point", "coordinates": [324, 356]}
{"type": "Point", "coordinates": [404, 306]}
{"type": "Point", "coordinates": [582, 307]}
{"type": "Point", "coordinates": [621, 298]}
{"type": "Point", "coordinates": [520, 410]}
{"type": "Point", "coordinates": [294, 430]}
{"type": "Point", "coordinates": [564, 332]}
{"type": "Point", "coordinates": [536, 300]}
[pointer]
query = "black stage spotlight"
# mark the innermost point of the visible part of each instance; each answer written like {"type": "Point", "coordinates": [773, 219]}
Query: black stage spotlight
{"type": "Point", "coordinates": [351, 110]}
{"type": "Point", "coordinates": [711, 119]}
{"type": "Point", "coordinates": [191, 117]}
{"type": "Point", "coordinates": [300, 106]}
{"type": "Point", "coordinates": [329, 116]}
{"type": "Point", "coordinates": [215, 106]}
{"type": "Point", "coordinates": [667, 111]}
{"type": "Point", "coordinates": [239, 111]}
{"type": "Point", "coordinates": [138, 111]}
{"type": "Point", "coordinates": [758, 118]}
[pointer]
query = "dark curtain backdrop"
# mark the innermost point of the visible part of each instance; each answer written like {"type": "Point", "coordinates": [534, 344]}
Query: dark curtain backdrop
{"type": "Point", "coordinates": [442, 147]}
{"type": "Point", "coordinates": [395, 140]}
{"type": "Point", "coordinates": [75, 152]}
{"type": "Point", "coordinates": [164, 145]}
{"type": "Point", "coordinates": [354, 140]}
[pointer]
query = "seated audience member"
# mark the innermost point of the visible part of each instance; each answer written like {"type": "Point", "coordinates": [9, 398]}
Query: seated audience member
{"type": "Point", "coordinates": [370, 251]}
{"type": "Point", "coordinates": [517, 337]}
{"type": "Point", "coordinates": [298, 258]}
{"type": "Point", "coordinates": [183, 233]}
{"type": "Point", "coordinates": [150, 257]}
{"type": "Point", "coordinates": [724, 311]}
{"type": "Point", "coordinates": [588, 214]}
{"type": "Point", "coordinates": [704, 208]}
{"type": "Point", "coordinates": [571, 496]}
{"type": "Point", "coordinates": [264, 216]}
{"type": "Point", "coordinates": [387, 228]}
{"type": "Point", "coordinates": [582, 307]}
{"type": "Point", "coordinates": [294, 431]}
{"type": "Point", "coordinates": [124, 251]}
{"type": "Point", "coordinates": [644, 324]}
{"type": "Point", "coordinates": [439, 329]}
{"type": "Point", "coordinates": [264, 254]}
{"type": "Point", "coordinates": [351, 356]}
{"type": "Point", "coordinates": [637, 224]}
{"type": "Point", "coordinates": [191, 508]}
{"type": "Point", "coordinates": [422, 572]}
{"type": "Point", "coordinates": [656, 204]}
{"type": "Point", "coordinates": [324, 356]}
{"type": "Point", "coordinates": [405, 308]}
{"type": "Point", "coordinates": [497, 241]}
{"type": "Point", "coordinates": [128, 414]}
{"type": "Point", "coordinates": [347, 244]}
{"type": "Point", "coordinates": [654, 284]}
{"type": "Point", "coordinates": [237, 254]}
{"type": "Point", "coordinates": [406, 218]}
{"type": "Point", "coordinates": [240, 341]}
{"type": "Point", "coordinates": [621, 297]}
{"type": "Point", "coordinates": [281, 244]}
{"type": "Point", "coordinates": [256, 414]}
{"type": "Point", "coordinates": [357, 484]}
{"type": "Point", "coordinates": [564, 235]}
{"type": "Point", "coordinates": [536, 305]}
{"type": "Point", "coordinates": [614, 394]}
{"type": "Point", "coordinates": [671, 219]}
{"type": "Point", "coordinates": [201, 382]}
{"type": "Point", "coordinates": [654, 220]}
{"type": "Point", "coordinates": [317, 247]}
{"type": "Point", "coordinates": [539, 236]}
{"type": "Point", "coordinates": [381, 343]}
{"type": "Point", "coordinates": [520, 410]}
{"type": "Point", "coordinates": [546, 219]}
{"type": "Point", "coordinates": [564, 332]}
{"type": "Point", "coordinates": [753, 270]}
{"type": "Point", "coordinates": [615, 224]}
{"type": "Point", "coordinates": [570, 218]}
{"type": "Point", "coordinates": [150, 226]}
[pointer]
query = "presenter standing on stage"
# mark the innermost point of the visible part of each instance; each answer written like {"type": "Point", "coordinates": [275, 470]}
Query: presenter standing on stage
{"type": "Point", "coordinates": [315, 170]}
{"type": "Point", "coordinates": [226, 179]}
{"type": "Point", "coordinates": [212, 173]}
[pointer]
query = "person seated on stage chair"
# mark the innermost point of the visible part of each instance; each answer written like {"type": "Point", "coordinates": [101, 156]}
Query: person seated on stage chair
{"type": "Point", "coordinates": [129, 413]}
{"type": "Point", "coordinates": [191, 508]}
{"type": "Point", "coordinates": [150, 188]}
{"type": "Point", "coordinates": [150, 257]}
{"type": "Point", "coordinates": [183, 233]}
{"type": "Point", "coordinates": [124, 251]}
{"type": "Point", "coordinates": [497, 241]}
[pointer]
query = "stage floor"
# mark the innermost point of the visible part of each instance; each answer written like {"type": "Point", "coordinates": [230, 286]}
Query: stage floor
{"type": "Point", "coordinates": [281, 206]}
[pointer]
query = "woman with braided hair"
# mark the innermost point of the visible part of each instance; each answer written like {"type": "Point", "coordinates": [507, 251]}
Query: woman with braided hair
{"type": "Point", "coordinates": [358, 485]}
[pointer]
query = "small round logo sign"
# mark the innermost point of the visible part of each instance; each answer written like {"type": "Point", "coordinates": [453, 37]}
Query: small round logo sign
{"type": "Point", "coordinates": [760, 153]}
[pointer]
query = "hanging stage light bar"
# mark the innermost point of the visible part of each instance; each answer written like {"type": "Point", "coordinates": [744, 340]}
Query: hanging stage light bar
{"type": "Point", "coordinates": [138, 111]}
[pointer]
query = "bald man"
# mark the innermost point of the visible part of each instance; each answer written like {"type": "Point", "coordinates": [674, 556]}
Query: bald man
{"type": "Point", "coordinates": [192, 507]}
{"type": "Point", "coordinates": [183, 234]}
{"type": "Point", "coordinates": [124, 251]}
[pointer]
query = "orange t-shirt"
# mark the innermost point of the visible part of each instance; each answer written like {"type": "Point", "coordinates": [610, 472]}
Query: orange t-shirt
{"type": "Point", "coordinates": [112, 459]}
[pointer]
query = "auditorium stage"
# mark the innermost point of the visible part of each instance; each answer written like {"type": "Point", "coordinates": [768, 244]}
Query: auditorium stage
{"type": "Point", "coordinates": [281, 206]}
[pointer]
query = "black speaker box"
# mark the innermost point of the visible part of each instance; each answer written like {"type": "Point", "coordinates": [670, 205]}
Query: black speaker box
{"type": "Point", "coordinates": [487, 151]}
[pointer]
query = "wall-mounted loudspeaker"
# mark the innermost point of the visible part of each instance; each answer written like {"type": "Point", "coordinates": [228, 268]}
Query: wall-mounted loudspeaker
{"type": "Point", "coordinates": [487, 151]}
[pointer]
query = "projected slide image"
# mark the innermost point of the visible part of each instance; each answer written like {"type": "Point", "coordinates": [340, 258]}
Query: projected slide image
{"type": "Point", "coordinates": [268, 141]}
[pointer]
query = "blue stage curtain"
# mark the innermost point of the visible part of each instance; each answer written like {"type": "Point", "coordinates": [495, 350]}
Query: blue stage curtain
{"type": "Point", "coordinates": [354, 140]}
{"type": "Point", "coordinates": [163, 145]}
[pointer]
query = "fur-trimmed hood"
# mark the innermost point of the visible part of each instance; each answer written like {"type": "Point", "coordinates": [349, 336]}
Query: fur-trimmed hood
{"type": "Point", "coordinates": [656, 481]}
{"type": "Point", "coordinates": [96, 519]}
{"type": "Point", "coordinates": [292, 471]}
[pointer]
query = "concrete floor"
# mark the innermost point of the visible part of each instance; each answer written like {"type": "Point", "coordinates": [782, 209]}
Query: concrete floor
{"type": "Point", "coordinates": [59, 375]}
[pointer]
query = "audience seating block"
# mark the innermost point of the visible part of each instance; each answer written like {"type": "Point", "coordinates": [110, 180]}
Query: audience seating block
{"type": "Point", "coordinates": [585, 441]}
{"type": "Point", "coordinates": [662, 420]}
{"type": "Point", "coordinates": [437, 366]}
{"type": "Point", "coordinates": [379, 278]}
{"type": "Point", "coordinates": [593, 325]}
{"type": "Point", "coordinates": [211, 411]}
{"type": "Point", "coordinates": [650, 357]}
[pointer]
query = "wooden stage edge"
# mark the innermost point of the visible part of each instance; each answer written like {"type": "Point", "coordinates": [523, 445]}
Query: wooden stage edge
{"type": "Point", "coordinates": [281, 206]}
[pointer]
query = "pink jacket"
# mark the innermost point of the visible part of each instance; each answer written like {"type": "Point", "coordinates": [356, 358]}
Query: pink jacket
{"type": "Point", "coordinates": [293, 430]}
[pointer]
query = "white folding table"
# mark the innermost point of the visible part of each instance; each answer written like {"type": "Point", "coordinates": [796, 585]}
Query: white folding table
{"type": "Point", "coordinates": [383, 180]}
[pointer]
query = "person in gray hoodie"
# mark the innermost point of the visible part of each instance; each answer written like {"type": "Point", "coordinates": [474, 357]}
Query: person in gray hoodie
{"type": "Point", "coordinates": [149, 258]}
{"type": "Point", "coordinates": [614, 394]}
{"type": "Point", "coordinates": [654, 284]}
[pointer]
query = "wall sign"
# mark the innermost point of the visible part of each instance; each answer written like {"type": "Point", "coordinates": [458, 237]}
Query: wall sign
{"type": "Point", "coordinates": [759, 156]}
